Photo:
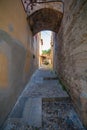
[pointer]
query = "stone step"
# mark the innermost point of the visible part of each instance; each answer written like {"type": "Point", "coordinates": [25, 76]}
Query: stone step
{"type": "Point", "coordinates": [53, 99]}
{"type": "Point", "coordinates": [27, 112]}
{"type": "Point", "coordinates": [32, 113]}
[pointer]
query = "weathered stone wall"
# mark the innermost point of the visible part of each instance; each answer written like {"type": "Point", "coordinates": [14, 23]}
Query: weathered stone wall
{"type": "Point", "coordinates": [71, 60]}
{"type": "Point", "coordinates": [55, 50]}
{"type": "Point", "coordinates": [45, 16]}
{"type": "Point", "coordinates": [16, 55]}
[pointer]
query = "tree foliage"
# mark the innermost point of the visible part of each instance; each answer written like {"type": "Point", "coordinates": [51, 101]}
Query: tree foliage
{"type": "Point", "coordinates": [46, 52]}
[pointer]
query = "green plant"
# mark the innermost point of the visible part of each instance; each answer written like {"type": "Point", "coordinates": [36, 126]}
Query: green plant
{"type": "Point", "coordinates": [63, 86]}
{"type": "Point", "coordinates": [46, 51]}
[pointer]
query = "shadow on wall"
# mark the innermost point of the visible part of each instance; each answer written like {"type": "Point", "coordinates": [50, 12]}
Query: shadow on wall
{"type": "Point", "coordinates": [12, 61]}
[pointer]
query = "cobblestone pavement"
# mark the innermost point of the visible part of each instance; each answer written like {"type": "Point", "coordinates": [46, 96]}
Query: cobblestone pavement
{"type": "Point", "coordinates": [60, 115]}
{"type": "Point", "coordinates": [42, 84]}
{"type": "Point", "coordinates": [57, 109]}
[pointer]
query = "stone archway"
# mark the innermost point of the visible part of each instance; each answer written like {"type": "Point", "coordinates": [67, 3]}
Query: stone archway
{"type": "Point", "coordinates": [45, 19]}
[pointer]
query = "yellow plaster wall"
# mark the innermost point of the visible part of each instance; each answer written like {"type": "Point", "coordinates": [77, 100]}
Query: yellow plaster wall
{"type": "Point", "coordinates": [13, 20]}
{"type": "Point", "coordinates": [3, 70]}
{"type": "Point", "coordinates": [16, 54]}
{"type": "Point", "coordinates": [15, 40]}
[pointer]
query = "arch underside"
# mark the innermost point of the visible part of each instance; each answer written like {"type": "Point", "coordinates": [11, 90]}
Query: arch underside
{"type": "Point", "coordinates": [45, 19]}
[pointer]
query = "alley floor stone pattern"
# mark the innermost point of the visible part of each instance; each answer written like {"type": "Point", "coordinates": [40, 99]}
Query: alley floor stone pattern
{"type": "Point", "coordinates": [43, 105]}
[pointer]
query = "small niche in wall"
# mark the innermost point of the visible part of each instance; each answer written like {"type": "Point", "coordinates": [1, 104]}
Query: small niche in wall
{"type": "Point", "coordinates": [33, 56]}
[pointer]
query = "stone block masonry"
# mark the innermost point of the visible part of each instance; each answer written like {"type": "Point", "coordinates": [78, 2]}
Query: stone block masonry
{"type": "Point", "coordinates": [71, 60]}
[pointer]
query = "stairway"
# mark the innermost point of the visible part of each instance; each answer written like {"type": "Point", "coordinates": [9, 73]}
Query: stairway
{"type": "Point", "coordinates": [26, 113]}
{"type": "Point", "coordinates": [43, 105]}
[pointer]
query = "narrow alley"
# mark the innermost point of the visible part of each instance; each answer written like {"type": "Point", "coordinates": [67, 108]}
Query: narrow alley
{"type": "Point", "coordinates": [43, 105]}
{"type": "Point", "coordinates": [34, 96]}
